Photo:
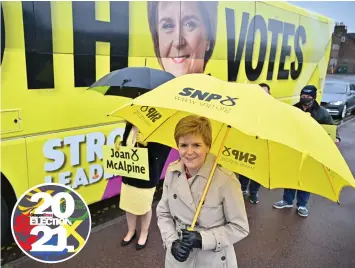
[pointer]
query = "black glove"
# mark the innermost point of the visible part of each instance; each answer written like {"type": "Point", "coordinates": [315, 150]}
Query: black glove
{"type": "Point", "coordinates": [192, 237]}
{"type": "Point", "coordinates": [180, 250]}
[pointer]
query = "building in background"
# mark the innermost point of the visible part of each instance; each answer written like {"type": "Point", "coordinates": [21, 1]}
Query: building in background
{"type": "Point", "coordinates": [342, 58]}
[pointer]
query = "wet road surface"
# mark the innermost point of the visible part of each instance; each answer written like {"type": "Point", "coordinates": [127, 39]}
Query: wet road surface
{"type": "Point", "coordinates": [278, 238]}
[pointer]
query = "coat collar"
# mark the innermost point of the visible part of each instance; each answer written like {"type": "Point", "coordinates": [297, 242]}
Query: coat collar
{"type": "Point", "coordinates": [182, 187]}
{"type": "Point", "coordinates": [204, 171]}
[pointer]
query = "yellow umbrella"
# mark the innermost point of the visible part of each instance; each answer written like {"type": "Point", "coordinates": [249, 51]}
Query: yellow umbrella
{"type": "Point", "coordinates": [271, 142]}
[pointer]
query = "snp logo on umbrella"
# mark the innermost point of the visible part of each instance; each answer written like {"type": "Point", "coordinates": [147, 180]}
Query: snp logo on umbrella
{"type": "Point", "coordinates": [148, 114]}
{"type": "Point", "coordinates": [244, 159]}
{"type": "Point", "coordinates": [151, 113]}
{"type": "Point", "coordinates": [208, 97]}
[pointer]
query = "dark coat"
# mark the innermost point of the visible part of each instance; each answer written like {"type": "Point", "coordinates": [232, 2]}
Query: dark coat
{"type": "Point", "coordinates": [157, 155]}
{"type": "Point", "coordinates": [319, 113]}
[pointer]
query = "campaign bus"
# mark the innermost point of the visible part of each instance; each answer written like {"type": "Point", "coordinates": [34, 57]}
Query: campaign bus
{"type": "Point", "coordinates": [53, 128]}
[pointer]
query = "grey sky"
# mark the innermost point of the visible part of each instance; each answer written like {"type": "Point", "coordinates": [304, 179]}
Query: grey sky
{"type": "Point", "coordinates": [339, 11]}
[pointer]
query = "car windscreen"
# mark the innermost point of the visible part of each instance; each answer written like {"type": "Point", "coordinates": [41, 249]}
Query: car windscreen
{"type": "Point", "coordinates": [334, 88]}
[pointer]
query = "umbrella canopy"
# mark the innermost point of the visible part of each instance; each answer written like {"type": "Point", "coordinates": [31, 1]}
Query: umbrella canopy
{"type": "Point", "coordinates": [131, 82]}
{"type": "Point", "coordinates": [271, 142]}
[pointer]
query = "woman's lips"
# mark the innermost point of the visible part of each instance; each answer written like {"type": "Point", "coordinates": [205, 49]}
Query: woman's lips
{"type": "Point", "coordinates": [181, 59]}
{"type": "Point", "coordinates": [178, 60]}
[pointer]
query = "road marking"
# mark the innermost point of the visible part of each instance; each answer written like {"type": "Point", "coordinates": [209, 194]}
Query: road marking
{"type": "Point", "coordinates": [347, 121]}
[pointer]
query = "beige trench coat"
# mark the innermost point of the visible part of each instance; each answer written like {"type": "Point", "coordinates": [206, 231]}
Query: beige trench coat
{"type": "Point", "coordinates": [221, 223]}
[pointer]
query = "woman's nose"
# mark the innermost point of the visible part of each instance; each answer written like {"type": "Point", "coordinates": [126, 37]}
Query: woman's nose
{"type": "Point", "coordinates": [176, 43]}
{"type": "Point", "coordinates": [179, 42]}
{"type": "Point", "coordinates": [190, 150]}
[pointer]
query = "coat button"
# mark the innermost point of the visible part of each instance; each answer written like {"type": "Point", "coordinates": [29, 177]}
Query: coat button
{"type": "Point", "coordinates": [175, 196]}
{"type": "Point", "coordinates": [223, 258]}
{"type": "Point", "coordinates": [197, 224]}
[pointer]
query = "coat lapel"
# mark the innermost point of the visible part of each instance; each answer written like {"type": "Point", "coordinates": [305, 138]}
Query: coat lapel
{"type": "Point", "coordinates": [183, 191]}
{"type": "Point", "coordinates": [182, 187]}
{"type": "Point", "coordinates": [206, 168]}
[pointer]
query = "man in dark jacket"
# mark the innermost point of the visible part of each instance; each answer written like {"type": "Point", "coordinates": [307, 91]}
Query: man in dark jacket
{"type": "Point", "coordinates": [307, 104]}
{"type": "Point", "coordinates": [245, 182]}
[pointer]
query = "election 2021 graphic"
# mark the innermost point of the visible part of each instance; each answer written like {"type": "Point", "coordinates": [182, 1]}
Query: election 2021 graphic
{"type": "Point", "coordinates": [51, 223]}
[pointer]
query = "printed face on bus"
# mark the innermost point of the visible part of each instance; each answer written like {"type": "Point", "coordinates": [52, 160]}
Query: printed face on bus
{"type": "Point", "coordinates": [186, 54]}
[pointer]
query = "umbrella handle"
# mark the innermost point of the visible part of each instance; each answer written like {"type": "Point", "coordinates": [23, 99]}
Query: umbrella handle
{"type": "Point", "coordinates": [192, 227]}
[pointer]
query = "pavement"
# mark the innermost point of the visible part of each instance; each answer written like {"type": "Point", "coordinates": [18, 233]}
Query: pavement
{"type": "Point", "coordinates": [278, 238]}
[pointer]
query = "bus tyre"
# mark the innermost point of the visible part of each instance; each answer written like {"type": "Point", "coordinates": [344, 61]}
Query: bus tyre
{"type": "Point", "coordinates": [5, 223]}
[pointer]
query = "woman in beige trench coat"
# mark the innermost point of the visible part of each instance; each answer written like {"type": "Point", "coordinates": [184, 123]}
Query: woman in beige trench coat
{"type": "Point", "coordinates": [222, 221]}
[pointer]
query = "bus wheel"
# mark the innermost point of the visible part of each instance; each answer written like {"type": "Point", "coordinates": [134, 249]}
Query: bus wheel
{"type": "Point", "coordinates": [6, 236]}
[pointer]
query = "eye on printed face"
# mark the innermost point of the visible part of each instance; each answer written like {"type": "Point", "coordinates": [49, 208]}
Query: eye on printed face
{"type": "Point", "coordinates": [193, 151]}
{"type": "Point", "coordinates": [186, 54]}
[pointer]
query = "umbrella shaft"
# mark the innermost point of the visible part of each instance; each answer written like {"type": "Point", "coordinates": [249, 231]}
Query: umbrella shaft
{"type": "Point", "coordinates": [191, 228]}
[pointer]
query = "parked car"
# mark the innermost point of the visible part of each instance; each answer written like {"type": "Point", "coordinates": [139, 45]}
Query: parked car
{"type": "Point", "coordinates": [339, 97]}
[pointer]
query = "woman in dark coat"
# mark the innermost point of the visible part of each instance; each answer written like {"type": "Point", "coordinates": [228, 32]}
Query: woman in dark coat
{"type": "Point", "coordinates": [137, 195]}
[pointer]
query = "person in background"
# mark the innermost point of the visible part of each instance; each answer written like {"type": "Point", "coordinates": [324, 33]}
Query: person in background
{"type": "Point", "coordinates": [308, 104]}
{"type": "Point", "coordinates": [222, 221]}
{"type": "Point", "coordinates": [245, 182]}
{"type": "Point", "coordinates": [137, 195]}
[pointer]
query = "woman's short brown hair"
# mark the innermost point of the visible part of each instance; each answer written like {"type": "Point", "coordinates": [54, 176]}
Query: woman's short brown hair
{"type": "Point", "coordinates": [208, 11]}
{"type": "Point", "coordinates": [194, 125]}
